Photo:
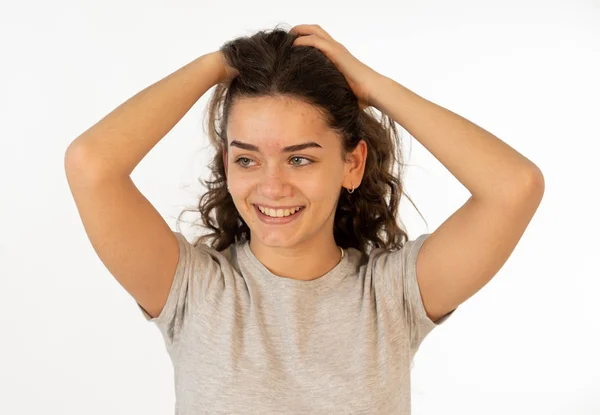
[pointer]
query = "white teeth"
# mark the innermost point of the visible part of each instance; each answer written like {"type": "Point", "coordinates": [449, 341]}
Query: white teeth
{"type": "Point", "coordinates": [279, 213]}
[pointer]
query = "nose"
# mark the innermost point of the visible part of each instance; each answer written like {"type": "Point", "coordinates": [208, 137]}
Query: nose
{"type": "Point", "coordinates": [274, 185]}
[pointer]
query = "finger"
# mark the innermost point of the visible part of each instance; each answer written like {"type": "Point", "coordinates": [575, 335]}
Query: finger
{"type": "Point", "coordinates": [315, 41]}
{"type": "Point", "coordinates": [310, 29]}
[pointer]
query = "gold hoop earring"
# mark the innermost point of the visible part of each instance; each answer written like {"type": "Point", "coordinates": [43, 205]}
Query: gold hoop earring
{"type": "Point", "coordinates": [352, 191]}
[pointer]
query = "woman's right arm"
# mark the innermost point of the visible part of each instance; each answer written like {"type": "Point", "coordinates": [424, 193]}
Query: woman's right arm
{"type": "Point", "coordinates": [117, 143]}
{"type": "Point", "coordinates": [129, 235]}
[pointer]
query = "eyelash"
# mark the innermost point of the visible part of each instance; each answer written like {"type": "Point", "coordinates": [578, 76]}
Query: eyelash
{"type": "Point", "coordinates": [237, 161]}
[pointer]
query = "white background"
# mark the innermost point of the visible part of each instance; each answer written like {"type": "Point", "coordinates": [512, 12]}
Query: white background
{"type": "Point", "coordinates": [72, 339]}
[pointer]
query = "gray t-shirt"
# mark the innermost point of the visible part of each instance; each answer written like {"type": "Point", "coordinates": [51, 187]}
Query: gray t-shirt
{"type": "Point", "coordinates": [245, 341]}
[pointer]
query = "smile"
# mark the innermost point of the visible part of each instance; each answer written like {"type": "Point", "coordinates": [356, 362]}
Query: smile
{"type": "Point", "coordinates": [277, 220]}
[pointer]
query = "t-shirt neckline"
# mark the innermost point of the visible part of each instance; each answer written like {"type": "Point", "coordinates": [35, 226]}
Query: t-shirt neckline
{"type": "Point", "coordinates": [327, 280]}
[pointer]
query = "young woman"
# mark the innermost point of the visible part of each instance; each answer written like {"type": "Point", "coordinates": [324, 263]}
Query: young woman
{"type": "Point", "coordinates": [306, 296]}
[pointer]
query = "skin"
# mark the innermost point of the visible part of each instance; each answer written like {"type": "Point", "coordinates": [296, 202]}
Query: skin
{"type": "Point", "coordinates": [305, 248]}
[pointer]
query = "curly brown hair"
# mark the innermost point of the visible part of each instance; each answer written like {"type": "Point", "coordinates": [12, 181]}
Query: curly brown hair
{"type": "Point", "coordinates": [269, 66]}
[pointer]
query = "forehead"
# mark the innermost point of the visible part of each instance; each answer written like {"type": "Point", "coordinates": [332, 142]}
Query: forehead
{"type": "Point", "coordinates": [275, 122]}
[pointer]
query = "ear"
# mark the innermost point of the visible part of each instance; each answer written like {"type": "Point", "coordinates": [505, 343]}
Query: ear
{"type": "Point", "coordinates": [224, 158]}
{"type": "Point", "coordinates": [356, 165]}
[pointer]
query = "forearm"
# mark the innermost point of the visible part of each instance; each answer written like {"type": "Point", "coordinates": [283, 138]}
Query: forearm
{"type": "Point", "coordinates": [489, 168]}
{"type": "Point", "coordinates": [117, 143]}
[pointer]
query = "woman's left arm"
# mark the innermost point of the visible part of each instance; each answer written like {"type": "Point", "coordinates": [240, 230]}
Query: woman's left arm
{"type": "Point", "coordinates": [488, 167]}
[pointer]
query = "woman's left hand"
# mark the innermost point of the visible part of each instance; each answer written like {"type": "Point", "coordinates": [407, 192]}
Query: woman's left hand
{"type": "Point", "coordinates": [360, 77]}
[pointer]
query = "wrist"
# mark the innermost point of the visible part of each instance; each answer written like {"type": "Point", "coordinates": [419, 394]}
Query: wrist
{"type": "Point", "coordinates": [214, 62]}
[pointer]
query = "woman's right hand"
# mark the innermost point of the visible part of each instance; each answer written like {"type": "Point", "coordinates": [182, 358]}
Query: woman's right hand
{"type": "Point", "coordinates": [226, 72]}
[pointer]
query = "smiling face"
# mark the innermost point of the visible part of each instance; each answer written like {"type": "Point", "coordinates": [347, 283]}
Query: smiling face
{"type": "Point", "coordinates": [262, 171]}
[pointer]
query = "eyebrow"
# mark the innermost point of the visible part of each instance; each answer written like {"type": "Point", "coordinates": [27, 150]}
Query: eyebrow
{"type": "Point", "coordinates": [289, 149]}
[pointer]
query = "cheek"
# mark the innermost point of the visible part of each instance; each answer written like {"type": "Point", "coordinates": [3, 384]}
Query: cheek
{"type": "Point", "coordinates": [325, 192]}
{"type": "Point", "coordinates": [239, 183]}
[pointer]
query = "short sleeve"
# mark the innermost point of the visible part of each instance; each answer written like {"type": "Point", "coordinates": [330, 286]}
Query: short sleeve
{"type": "Point", "coordinates": [186, 290]}
{"type": "Point", "coordinates": [400, 277]}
